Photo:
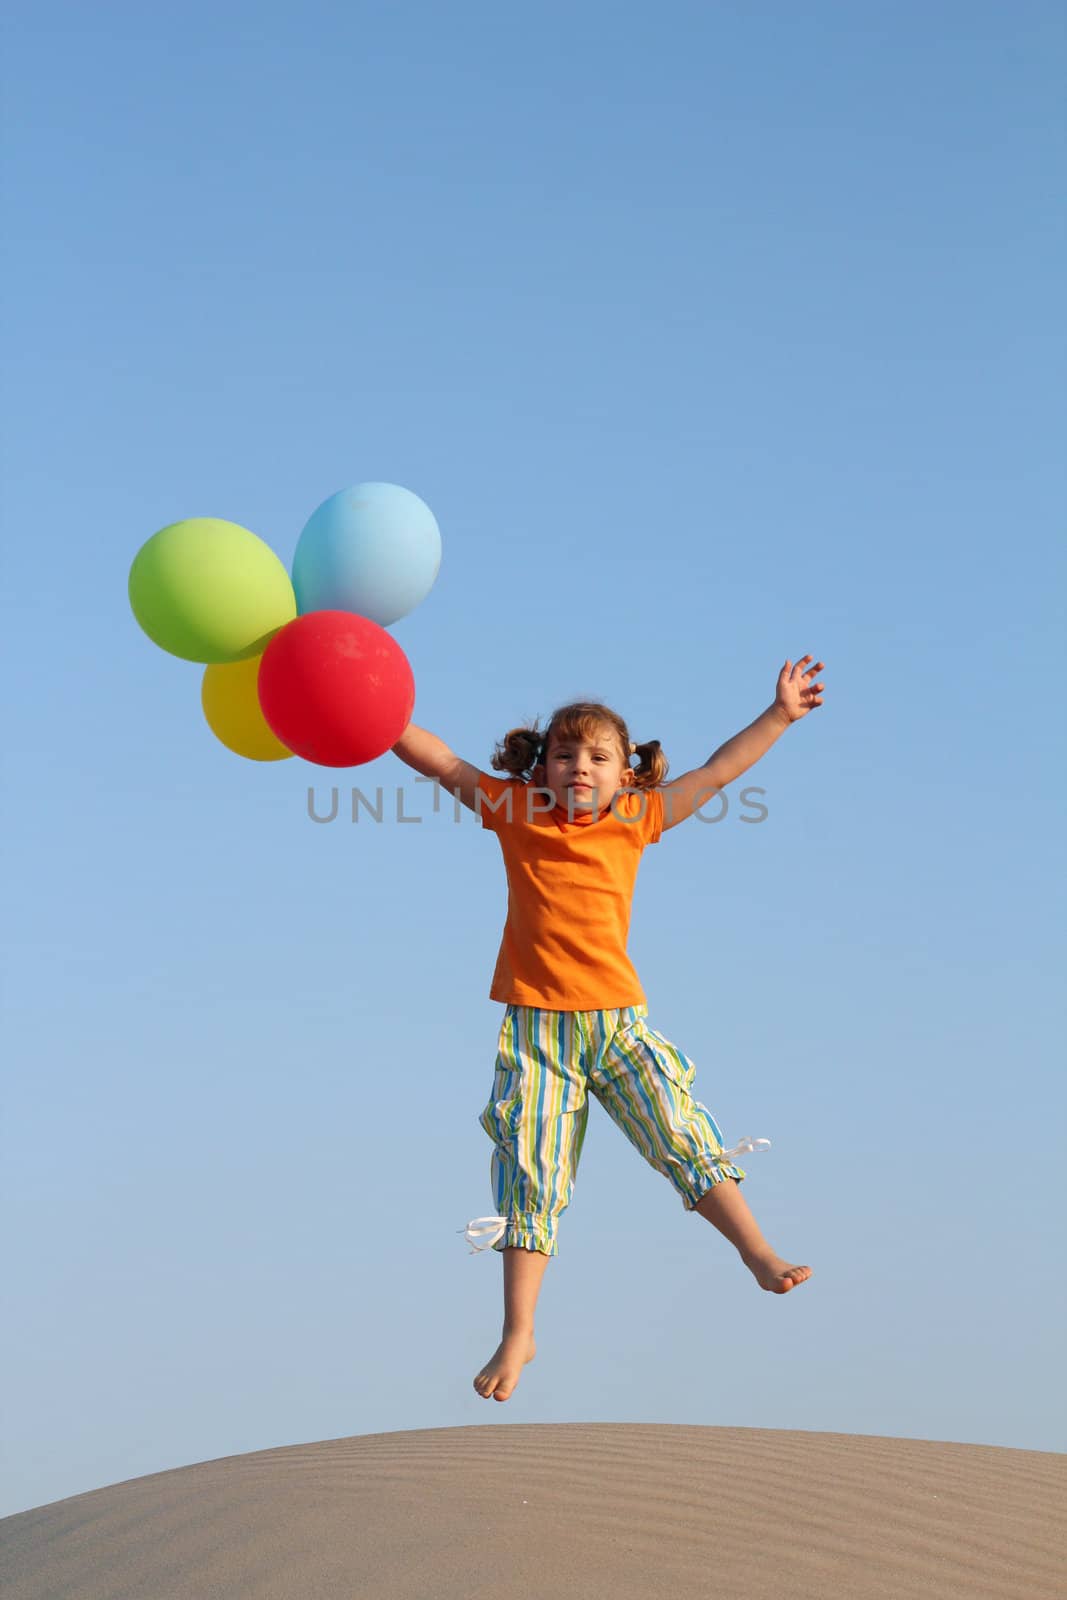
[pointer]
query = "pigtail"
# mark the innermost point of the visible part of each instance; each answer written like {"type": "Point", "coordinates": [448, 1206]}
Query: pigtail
{"type": "Point", "coordinates": [518, 752]}
{"type": "Point", "coordinates": [652, 765]}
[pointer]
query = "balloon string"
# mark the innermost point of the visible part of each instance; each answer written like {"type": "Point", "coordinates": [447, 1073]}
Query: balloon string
{"type": "Point", "coordinates": [494, 1227]}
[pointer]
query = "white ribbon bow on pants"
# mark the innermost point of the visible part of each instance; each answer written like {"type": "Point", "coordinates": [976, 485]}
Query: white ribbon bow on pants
{"type": "Point", "coordinates": [494, 1226]}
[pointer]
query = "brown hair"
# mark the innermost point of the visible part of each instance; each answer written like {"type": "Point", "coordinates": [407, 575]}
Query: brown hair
{"type": "Point", "coordinates": [520, 750]}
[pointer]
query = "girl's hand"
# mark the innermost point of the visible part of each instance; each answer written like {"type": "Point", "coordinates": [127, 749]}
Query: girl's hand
{"type": "Point", "coordinates": [795, 696]}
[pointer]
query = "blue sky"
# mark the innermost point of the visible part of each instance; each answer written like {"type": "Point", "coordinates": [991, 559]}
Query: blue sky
{"type": "Point", "coordinates": [712, 334]}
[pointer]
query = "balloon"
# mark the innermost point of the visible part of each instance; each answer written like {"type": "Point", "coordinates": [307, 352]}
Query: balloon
{"type": "Point", "coordinates": [336, 688]}
{"type": "Point", "coordinates": [374, 550]}
{"type": "Point", "coordinates": [231, 705]}
{"type": "Point", "coordinates": [209, 590]}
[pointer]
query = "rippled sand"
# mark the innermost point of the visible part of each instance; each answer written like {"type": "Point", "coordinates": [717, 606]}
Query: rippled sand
{"type": "Point", "coordinates": [580, 1511]}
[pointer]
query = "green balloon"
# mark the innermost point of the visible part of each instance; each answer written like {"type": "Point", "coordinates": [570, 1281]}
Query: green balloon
{"type": "Point", "coordinates": [208, 590]}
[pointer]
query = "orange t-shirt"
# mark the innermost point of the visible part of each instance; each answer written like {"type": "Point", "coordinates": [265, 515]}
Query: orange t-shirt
{"type": "Point", "coordinates": [570, 885]}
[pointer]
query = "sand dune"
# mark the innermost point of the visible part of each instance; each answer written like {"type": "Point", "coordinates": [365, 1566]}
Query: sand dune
{"type": "Point", "coordinates": [579, 1511]}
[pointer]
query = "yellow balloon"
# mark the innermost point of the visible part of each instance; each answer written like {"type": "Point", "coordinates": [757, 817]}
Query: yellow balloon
{"type": "Point", "coordinates": [231, 706]}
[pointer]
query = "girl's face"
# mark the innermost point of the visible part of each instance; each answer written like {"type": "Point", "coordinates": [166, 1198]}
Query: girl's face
{"type": "Point", "coordinates": [585, 773]}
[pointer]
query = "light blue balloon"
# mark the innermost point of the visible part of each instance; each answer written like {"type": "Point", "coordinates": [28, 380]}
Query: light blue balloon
{"type": "Point", "coordinates": [374, 549]}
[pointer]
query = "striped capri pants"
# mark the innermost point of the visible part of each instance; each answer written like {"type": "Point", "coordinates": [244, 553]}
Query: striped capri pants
{"type": "Point", "coordinates": [546, 1062]}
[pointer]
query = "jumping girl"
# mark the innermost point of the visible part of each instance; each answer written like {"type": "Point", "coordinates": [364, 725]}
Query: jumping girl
{"type": "Point", "coordinates": [573, 817]}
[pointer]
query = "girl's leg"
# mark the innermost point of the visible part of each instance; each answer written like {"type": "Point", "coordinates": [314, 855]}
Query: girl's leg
{"type": "Point", "coordinates": [726, 1208]}
{"type": "Point", "coordinates": [644, 1083]}
{"type": "Point", "coordinates": [523, 1272]}
{"type": "Point", "coordinates": [537, 1119]}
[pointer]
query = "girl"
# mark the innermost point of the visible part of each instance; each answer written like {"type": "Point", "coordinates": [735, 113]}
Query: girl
{"type": "Point", "coordinates": [573, 818]}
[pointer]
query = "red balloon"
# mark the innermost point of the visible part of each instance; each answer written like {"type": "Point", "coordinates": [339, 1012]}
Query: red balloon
{"type": "Point", "coordinates": [336, 688]}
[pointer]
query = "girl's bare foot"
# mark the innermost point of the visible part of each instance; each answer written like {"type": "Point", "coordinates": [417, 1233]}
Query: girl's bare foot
{"type": "Point", "coordinates": [500, 1375]}
{"type": "Point", "coordinates": [773, 1273]}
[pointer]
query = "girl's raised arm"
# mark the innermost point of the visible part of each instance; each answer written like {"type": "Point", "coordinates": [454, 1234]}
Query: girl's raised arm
{"type": "Point", "coordinates": [794, 697]}
{"type": "Point", "coordinates": [431, 756]}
